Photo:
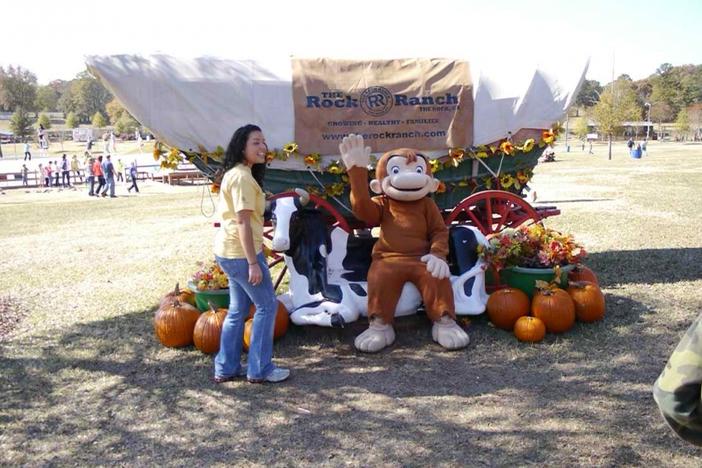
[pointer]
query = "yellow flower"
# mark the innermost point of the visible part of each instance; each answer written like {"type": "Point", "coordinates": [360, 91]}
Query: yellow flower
{"type": "Point", "coordinates": [548, 136]}
{"type": "Point", "coordinates": [334, 168]}
{"type": "Point", "coordinates": [507, 147]}
{"type": "Point", "coordinates": [463, 183]}
{"type": "Point", "coordinates": [312, 159]}
{"type": "Point", "coordinates": [435, 165]}
{"type": "Point", "coordinates": [506, 181]}
{"type": "Point", "coordinates": [488, 182]}
{"type": "Point", "coordinates": [482, 153]}
{"type": "Point", "coordinates": [270, 156]}
{"type": "Point", "coordinates": [157, 151]}
{"type": "Point", "coordinates": [457, 153]}
{"type": "Point", "coordinates": [528, 145]}
{"type": "Point", "coordinates": [441, 188]}
{"type": "Point", "coordinates": [214, 188]}
{"type": "Point", "coordinates": [290, 148]}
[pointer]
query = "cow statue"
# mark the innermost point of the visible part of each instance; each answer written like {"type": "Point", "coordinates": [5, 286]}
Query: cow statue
{"type": "Point", "coordinates": [328, 267]}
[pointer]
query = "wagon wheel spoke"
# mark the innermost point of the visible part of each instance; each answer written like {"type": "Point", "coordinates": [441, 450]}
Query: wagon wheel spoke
{"type": "Point", "coordinates": [475, 220]}
{"type": "Point", "coordinates": [504, 215]}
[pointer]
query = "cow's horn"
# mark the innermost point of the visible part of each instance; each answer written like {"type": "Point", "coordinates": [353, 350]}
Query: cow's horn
{"type": "Point", "coordinates": [304, 196]}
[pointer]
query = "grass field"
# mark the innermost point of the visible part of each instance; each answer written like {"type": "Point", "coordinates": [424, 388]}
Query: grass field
{"type": "Point", "coordinates": [83, 380]}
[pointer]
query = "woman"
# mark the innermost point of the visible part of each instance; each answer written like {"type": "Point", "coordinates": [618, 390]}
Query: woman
{"type": "Point", "coordinates": [238, 249]}
{"type": "Point", "coordinates": [133, 174]}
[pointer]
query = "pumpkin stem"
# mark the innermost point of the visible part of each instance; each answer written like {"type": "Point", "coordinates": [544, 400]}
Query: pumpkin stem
{"type": "Point", "coordinates": [211, 306]}
{"type": "Point", "coordinates": [176, 291]}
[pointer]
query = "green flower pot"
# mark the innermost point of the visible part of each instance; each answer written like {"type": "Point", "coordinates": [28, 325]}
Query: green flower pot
{"type": "Point", "coordinates": [526, 278]}
{"type": "Point", "coordinates": [219, 297]}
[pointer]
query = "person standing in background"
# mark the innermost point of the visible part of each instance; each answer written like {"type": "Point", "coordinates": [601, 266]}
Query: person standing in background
{"type": "Point", "coordinates": [109, 170]}
{"type": "Point", "coordinates": [65, 171]}
{"type": "Point", "coordinates": [120, 171]}
{"type": "Point", "coordinates": [133, 173]}
{"type": "Point", "coordinates": [91, 175]}
{"type": "Point", "coordinates": [25, 172]}
{"type": "Point", "coordinates": [99, 174]}
{"type": "Point", "coordinates": [75, 167]}
{"type": "Point", "coordinates": [27, 154]}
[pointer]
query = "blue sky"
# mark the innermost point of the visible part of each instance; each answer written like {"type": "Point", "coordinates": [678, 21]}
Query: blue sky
{"type": "Point", "coordinates": [51, 38]}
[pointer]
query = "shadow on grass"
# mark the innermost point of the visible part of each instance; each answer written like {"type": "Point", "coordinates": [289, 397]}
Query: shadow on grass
{"type": "Point", "coordinates": [647, 266]}
{"type": "Point", "coordinates": [497, 402]}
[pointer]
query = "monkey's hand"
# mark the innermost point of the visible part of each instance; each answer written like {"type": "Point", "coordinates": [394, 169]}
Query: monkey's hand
{"type": "Point", "coordinates": [436, 266]}
{"type": "Point", "coordinates": [353, 153]}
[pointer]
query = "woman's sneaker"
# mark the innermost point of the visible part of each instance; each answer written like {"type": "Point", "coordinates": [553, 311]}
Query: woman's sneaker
{"type": "Point", "coordinates": [278, 375]}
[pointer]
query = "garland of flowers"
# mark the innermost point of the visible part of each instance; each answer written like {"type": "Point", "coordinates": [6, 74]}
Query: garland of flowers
{"type": "Point", "coordinates": [454, 158]}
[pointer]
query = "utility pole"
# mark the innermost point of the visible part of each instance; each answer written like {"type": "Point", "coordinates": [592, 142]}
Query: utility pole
{"type": "Point", "coordinates": [648, 119]}
{"type": "Point", "coordinates": [614, 105]}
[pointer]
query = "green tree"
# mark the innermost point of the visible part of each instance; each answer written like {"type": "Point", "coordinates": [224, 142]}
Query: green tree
{"type": "Point", "coordinates": [682, 123]}
{"type": "Point", "coordinates": [581, 128]}
{"type": "Point", "coordinates": [85, 96]}
{"type": "Point", "coordinates": [47, 99]}
{"type": "Point", "coordinates": [21, 123]}
{"type": "Point", "coordinates": [114, 110]}
{"type": "Point", "coordinates": [589, 93]}
{"type": "Point", "coordinates": [44, 120]}
{"type": "Point", "coordinates": [18, 88]}
{"type": "Point", "coordinates": [126, 124]}
{"type": "Point", "coordinates": [72, 120]}
{"type": "Point", "coordinates": [617, 105]}
{"type": "Point", "coordinates": [98, 120]}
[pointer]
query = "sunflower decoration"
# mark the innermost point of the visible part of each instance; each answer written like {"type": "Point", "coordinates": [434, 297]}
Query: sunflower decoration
{"type": "Point", "coordinates": [548, 136]}
{"type": "Point", "coordinates": [464, 182]}
{"type": "Point", "coordinates": [506, 181]}
{"type": "Point", "coordinates": [313, 159]}
{"type": "Point", "coordinates": [270, 156]}
{"type": "Point", "coordinates": [523, 176]}
{"type": "Point", "coordinates": [435, 165]}
{"type": "Point", "coordinates": [158, 151]}
{"type": "Point", "coordinates": [481, 152]}
{"type": "Point", "coordinates": [456, 156]}
{"type": "Point", "coordinates": [487, 182]}
{"type": "Point", "coordinates": [218, 153]}
{"type": "Point", "coordinates": [528, 145]}
{"type": "Point", "coordinates": [334, 190]}
{"type": "Point", "coordinates": [335, 168]}
{"type": "Point", "coordinates": [507, 147]}
{"type": "Point", "coordinates": [290, 148]}
{"type": "Point", "coordinates": [441, 188]}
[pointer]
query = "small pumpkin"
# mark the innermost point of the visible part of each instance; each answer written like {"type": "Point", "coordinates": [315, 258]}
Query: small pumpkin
{"type": "Point", "coordinates": [282, 319]}
{"type": "Point", "coordinates": [582, 273]}
{"type": "Point", "coordinates": [588, 300]}
{"type": "Point", "coordinates": [208, 329]}
{"type": "Point", "coordinates": [174, 324]}
{"type": "Point", "coordinates": [248, 325]}
{"type": "Point", "coordinates": [183, 295]}
{"type": "Point", "coordinates": [530, 329]}
{"type": "Point", "coordinates": [555, 308]}
{"type": "Point", "coordinates": [506, 305]}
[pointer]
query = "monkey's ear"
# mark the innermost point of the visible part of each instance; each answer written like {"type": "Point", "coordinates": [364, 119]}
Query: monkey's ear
{"type": "Point", "coordinates": [376, 186]}
{"type": "Point", "coordinates": [433, 185]}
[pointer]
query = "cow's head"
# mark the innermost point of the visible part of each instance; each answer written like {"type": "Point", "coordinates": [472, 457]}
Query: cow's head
{"type": "Point", "coordinates": [281, 211]}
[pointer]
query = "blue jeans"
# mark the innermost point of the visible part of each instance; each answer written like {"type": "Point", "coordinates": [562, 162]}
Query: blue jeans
{"type": "Point", "coordinates": [241, 295]}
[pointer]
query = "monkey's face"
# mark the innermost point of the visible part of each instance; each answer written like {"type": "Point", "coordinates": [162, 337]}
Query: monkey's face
{"type": "Point", "coordinates": [405, 178]}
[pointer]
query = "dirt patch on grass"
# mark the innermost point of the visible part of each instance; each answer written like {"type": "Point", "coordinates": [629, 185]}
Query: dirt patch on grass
{"type": "Point", "coordinates": [11, 314]}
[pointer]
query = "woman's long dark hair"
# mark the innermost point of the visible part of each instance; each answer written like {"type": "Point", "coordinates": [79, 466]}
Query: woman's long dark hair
{"type": "Point", "coordinates": [235, 152]}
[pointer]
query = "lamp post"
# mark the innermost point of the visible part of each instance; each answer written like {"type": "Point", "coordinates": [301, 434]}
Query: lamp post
{"type": "Point", "coordinates": [648, 119]}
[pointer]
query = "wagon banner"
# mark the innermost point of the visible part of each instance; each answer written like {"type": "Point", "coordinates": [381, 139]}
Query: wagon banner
{"type": "Point", "coordinates": [425, 104]}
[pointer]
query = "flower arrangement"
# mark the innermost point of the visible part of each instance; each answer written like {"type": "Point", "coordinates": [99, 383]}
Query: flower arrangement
{"type": "Point", "coordinates": [209, 276]}
{"type": "Point", "coordinates": [532, 246]}
{"type": "Point", "coordinates": [454, 157]}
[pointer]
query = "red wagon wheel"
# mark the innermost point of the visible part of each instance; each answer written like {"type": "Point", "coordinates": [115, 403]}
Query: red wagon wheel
{"type": "Point", "coordinates": [491, 211]}
{"type": "Point", "coordinates": [318, 203]}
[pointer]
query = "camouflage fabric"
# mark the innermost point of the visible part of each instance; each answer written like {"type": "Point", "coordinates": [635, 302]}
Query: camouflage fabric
{"type": "Point", "coordinates": [677, 390]}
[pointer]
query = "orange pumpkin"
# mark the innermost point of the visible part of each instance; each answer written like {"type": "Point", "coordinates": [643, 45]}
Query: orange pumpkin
{"type": "Point", "coordinates": [506, 305]}
{"type": "Point", "coordinates": [588, 300]}
{"type": "Point", "coordinates": [282, 319]}
{"type": "Point", "coordinates": [582, 273]}
{"type": "Point", "coordinates": [555, 308]}
{"type": "Point", "coordinates": [174, 324]}
{"type": "Point", "coordinates": [183, 295]}
{"type": "Point", "coordinates": [248, 325]}
{"type": "Point", "coordinates": [529, 329]}
{"type": "Point", "coordinates": [208, 329]}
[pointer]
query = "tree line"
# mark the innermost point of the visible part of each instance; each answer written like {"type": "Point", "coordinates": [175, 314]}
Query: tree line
{"type": "Point", "coordinates": [82, 100]}
{"type": "Point", "coordinates": [665, 96]}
